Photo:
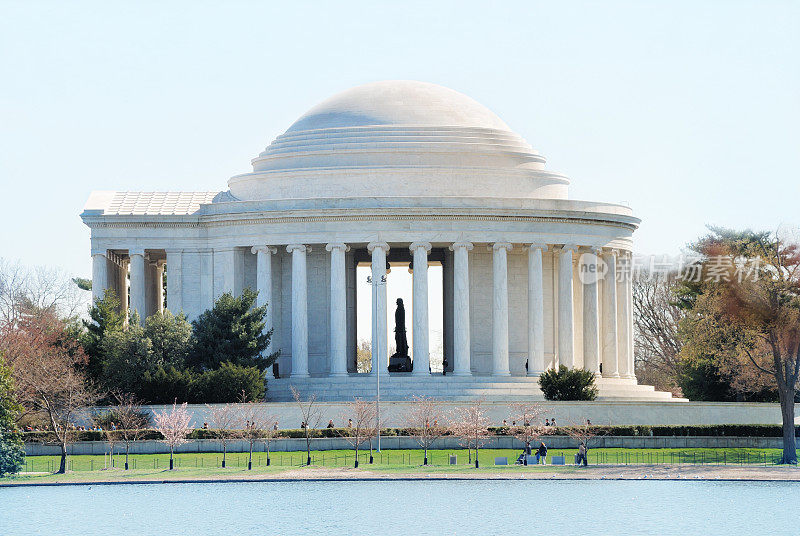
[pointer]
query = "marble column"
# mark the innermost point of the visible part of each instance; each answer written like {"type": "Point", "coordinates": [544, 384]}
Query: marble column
{"type": "Point", "coordinates": [299, 310]}
{"type": "Point", "coordinates": [591, 316]}
{"type": "Point", "coordinates": [629, 294]}
{"type": "Point", "coordinates": [500, 365]}
{"type": "Point", "coordinates": [380, 342]}
{"type": "Point", "coordinates": [264, 287]}
{"type": "Point", "coordinates": [624, 320]}
{"type": "Point", "coordinates": [338, 321]}
{"type": "Point", "coordinates": [461, 320]}
{"type": "Point", "coordinates": [123, 287]}
{"type": "Point", "coordinates": [159, 286]}
{"type": "Point", "coordinates": [566, 355]}
{"type": "Point", "coordinates": [535, 310]}
{"type": "Point", "coordinates": [138, 298]}
{"type": "Point", "coordinates": [610, 332]}
{"type": "Point", "coordinates": [175, 280]}
{"type": "Point", "coordinates": [99, 275]}
{"type": "Point", "coordinates": [421, 344]}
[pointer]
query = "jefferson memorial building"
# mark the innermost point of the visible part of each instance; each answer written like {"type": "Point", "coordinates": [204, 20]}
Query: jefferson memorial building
{"type": "Point", "coordinates": [392, 172]}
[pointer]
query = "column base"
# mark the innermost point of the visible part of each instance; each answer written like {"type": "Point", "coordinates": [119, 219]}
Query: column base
{"type": "Point", "coordinates": [461, 373]}
{"type": "Point", "coordinates": [299, 375]}
{"type": "Point", "coordinates": [614, 375]}
{"type": "Point", "coordinates": [339, 374]}
{"type": "Point", "coordinates": [503, 374]}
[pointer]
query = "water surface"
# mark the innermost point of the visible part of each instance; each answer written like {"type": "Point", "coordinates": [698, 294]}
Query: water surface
{"type": "Point", "coordinates": [408, 508]}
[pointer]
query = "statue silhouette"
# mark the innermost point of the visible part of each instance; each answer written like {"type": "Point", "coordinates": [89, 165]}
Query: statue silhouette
{"type": "Point", "coordinates": [400, 362]}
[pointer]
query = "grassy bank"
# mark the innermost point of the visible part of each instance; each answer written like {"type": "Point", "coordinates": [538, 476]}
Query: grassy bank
{"type": "Point", "coordinates": [391, 460]}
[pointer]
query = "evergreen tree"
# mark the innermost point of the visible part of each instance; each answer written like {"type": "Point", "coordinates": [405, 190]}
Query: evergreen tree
{"type": "Point", "coordinates": [12, 454]}
{"type": "Point", "coordinates": [104, 318]}
{"type": "Point", "coordinates": [127, 355]}
{"type": "Point", "coordinates": [233, 330]}
{"type": "Point", "coordinates": [171, 338]}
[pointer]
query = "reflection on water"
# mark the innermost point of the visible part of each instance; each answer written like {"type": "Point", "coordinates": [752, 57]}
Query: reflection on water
{"type": "Point", "coordinates": [409, 508]}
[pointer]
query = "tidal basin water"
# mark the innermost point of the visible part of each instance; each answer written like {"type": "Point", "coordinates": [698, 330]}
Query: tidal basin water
{"type": "Point", "coordinates": [406, 507]}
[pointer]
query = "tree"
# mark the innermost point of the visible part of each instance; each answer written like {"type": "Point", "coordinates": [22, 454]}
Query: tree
{"type": "Point", "coordinates": [657, 313]}
{"type": "Point", "coordinates": [25, 289]}
{"type": "Point", "coordinates": [270, 432]}
{"type": "Point", "coordinates": [753, 288]}
{"type": "Point", "coordinates": [46, 363]}
{"type": "Point", "coordinates": [471, 424]}
{"type": "Point", "coordinates": [224, 421]}
{"type": "Point", "coordinates": [127, 354]}
{"type": "Point", "coordinates": [311, 414]}
{"type": "Point", "coordinates": [233, 330]}
{"type": "Point", "coordinates": [104, 318]}
{"type": "Point", "coordinates": [568, 384]}
{"type": "Point", "coordinates": [258, 425]}
{"type": "Point", "coordinates": [362, 414]}
{"type": "Point", "coordinates": [170, 338]}
{"type": "Point", "coordinates": [131, 420]}
{"type": "Point", "coordinates": [529, 429]}
{"type": "Point", "coordinates": [12, 452]}
{"type": "Point", "coordinates": [174, 426]}
{"type": "Point", "coordinates": [582, 433]}
{"type": "Point", "coordinates": [364, 356]}
{"type": "Point", "coordinates": [425, 418]}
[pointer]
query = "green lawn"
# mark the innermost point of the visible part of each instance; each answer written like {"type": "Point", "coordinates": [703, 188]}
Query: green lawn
{"type": "Point", "coordinates": [401, 459]}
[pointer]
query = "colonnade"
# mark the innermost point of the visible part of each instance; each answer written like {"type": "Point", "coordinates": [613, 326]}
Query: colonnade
{"type": "Point", "coordinates": [607, 337]}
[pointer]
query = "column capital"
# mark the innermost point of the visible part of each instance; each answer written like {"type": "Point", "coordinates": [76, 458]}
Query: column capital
{"type": "Point", "coordinates": [416, 245]}
{"type": "Point", "coordinates": [136, 251]}
{"type": "Point", "coordinates": [568, 247]}
{"type": "Point", "coordinates": [264, 249]}
{"type": "Point", "coordinates": [596, 250]}
{"type": "Point", "coordinates": [291, 248]}
{"type": "Point", "coordinates": [337, 245]}
{"type": "Point", "coordinates": [102, 252]}
{"type": "Point", "coordinates": [536, 245]}
{"type": "Point", "coordinates": [173, 250]}
{"type": "Point", "coordinates": [458, 245]}
{"type": "Point", "coordinates": [508, 246]}
{"type": "Point", "coordinates": [378, 245]}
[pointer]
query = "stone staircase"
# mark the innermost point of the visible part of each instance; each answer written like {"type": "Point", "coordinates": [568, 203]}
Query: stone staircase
{"type": "Point", "coordinates": [402, 386]}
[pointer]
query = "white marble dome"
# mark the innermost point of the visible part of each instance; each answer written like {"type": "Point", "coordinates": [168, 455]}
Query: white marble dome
{"type": "Point", "coordinates": [401, 139]}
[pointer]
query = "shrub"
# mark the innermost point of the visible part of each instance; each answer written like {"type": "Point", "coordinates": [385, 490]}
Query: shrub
{"type": "Point", "coordinates": [568, 384]}
{"type": "Point", "coordinates": [166, 385]}
{"type": "Point", "coordinates": [228, 383]}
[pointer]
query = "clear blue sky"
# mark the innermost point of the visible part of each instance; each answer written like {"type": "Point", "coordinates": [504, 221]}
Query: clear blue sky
{"type": "Point", "coordinates": [686, 111]}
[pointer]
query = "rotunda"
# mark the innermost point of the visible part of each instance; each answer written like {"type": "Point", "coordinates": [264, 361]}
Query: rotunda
{"type": "Point", "coordinates": [394, 171]}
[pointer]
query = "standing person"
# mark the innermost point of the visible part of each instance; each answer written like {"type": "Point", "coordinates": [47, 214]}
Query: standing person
{"type": "Point", "coordinates": [582, 450]}
{"type": "Point", "coordinates": [330, 423]}
{"type": "Point", "coordinates": [553, 422]}
{"type": "Point", "coordinates": [541, 454]}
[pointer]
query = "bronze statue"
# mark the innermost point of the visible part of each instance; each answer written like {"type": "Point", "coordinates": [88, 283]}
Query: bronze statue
{"type": "Point", "coordinates": [400, 362]}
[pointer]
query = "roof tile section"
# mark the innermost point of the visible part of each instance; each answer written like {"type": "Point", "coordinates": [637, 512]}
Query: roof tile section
{"type": "Point", "coordinates": [151, 203]}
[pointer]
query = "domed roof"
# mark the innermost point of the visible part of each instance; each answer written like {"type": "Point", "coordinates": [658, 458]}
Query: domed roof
{"type": "Point", "coordinates": [398, 102]}
{"type": "Point", "coordinates": [398, 138]}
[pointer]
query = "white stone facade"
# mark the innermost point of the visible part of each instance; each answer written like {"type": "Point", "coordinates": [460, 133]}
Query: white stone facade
{"type": "Point", "coordinates": [392, 171]}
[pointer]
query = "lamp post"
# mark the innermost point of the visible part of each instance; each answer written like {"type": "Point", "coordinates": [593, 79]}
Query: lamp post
{"type": "Point", "coordinates": [376, 354]}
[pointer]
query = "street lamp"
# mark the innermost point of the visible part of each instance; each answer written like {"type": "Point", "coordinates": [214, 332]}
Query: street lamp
{"type": "Point", "coordinates": [376, 354]}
